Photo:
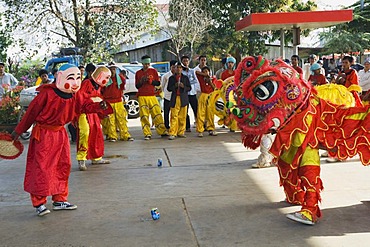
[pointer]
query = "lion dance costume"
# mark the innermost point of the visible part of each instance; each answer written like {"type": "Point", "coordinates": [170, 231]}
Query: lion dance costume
{"type": "Point", "coordinates": [271, 97]}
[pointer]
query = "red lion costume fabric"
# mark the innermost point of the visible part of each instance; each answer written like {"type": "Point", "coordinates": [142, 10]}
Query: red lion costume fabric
{"type": "Point", "coordinates": [271, 97]}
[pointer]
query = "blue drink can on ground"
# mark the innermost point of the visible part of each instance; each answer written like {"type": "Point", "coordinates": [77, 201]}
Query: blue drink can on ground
{"type": "Point", "coordinates": [159, 162]}
{"type": "Point", "coordinates": [155, 214]}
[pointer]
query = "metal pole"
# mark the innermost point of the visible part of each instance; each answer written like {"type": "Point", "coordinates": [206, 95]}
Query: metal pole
{"type": "Point", "coordinates": [282, 41]}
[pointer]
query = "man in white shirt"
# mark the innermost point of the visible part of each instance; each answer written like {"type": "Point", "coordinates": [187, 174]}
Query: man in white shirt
{"type": "Point", "coordinates": [364, 77]}
{"type": "Point", "coordinates": [195, 88]}
{"type": "Point", "coordinates": [6, 78]}
{"type": "Point", "coordinates": [167, 94]}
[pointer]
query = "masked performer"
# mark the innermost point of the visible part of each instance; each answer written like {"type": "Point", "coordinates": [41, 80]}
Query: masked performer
{"type": "Point", "coordinates": [90, 142]}
{"type": "Point", "coordinates": [48, 159]}
{"type": "Point", "coordinates": [271, 97]}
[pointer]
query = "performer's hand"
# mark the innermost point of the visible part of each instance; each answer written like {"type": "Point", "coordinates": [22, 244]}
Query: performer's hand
{"type": "Point", "coordinates": [181, 85]}
{"type": "Point", "coordinates": [14, 135]}
{"type": "Point", "coordinates": [103, 105]}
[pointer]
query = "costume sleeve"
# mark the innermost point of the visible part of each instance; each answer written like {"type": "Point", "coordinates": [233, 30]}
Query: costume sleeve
{"type": "Point", "coordinates": [33, 110]}
{"type": "Point", "coordinates": [123, 84]}
{"type": "Point", "coordinates": [353, 78]}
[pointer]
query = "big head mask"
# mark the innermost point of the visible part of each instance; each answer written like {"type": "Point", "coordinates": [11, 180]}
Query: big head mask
{"type": "Point", "coordinates": [68, 78]}
{"type": "Point", "coordinates": [101, 75]}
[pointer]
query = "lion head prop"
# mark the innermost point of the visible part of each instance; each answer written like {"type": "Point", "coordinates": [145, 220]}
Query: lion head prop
{"type": "Point", "coordinates": [267, 93]}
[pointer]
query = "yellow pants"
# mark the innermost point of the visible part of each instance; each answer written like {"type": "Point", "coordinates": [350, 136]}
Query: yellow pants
{"type": "Point", "coordinates": [205, 114]}
{"type": "Point", "coordinates": [116, 120]}
{"type": "Point", "coordinates": [84, 130]}
{"type": "Point", "coordinates": [178, 118]}
{"type": "Point", "coordinates": [149, 106]}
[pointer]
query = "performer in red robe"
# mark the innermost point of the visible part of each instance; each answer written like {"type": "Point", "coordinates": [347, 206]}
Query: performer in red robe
{"type": "Point", "coordinates": [48, 160]}
{"type": "Point", "coordinates": [90, 141]}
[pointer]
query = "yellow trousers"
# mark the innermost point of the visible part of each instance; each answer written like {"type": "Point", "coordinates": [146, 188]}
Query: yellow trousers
{"type": "Point", "coordinates": [116, 120]}
{"type": "Point", "coordinates": [205, 114]}
{"type": "Point", "coordinates": [83, 141]}
{"type": "Point", "coordinates": [178, 118]}
{"type": "Point", "coordinates": [149, 106]}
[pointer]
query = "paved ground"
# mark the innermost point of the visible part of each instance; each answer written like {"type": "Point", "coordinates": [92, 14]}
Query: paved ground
{"type": "Point", "coordinates": [206, 192]}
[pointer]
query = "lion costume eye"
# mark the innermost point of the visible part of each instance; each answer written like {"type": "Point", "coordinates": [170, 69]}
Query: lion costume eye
{"type": "Point", "coordinates": [265, 90]}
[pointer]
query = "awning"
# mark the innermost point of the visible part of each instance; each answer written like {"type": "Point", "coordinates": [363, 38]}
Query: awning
{"type": "Point", "coordinates": [290, 20]}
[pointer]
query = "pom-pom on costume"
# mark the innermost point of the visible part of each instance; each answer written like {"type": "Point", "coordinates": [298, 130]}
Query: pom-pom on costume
{"type": "Point", "coordinates": [271, 97]}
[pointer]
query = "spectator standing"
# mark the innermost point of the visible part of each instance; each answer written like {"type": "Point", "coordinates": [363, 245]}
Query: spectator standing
{"type": "Point", "coordinates": [179, 86]}
{"type": "Point", "coordinates": [364, 80]}
{"type": "Point", "coordinates": [43, 73]}
{"type": "Point", "coordinates": [113, 93]}
{"type": "Point", "coordinates": [167, 94]}
{"type": "Point", "coordinates": [82, 70]}
{"type": "Point", "coordinates": [193, 100]}
{"type": "Point", "coordinates": [6, 78]}
{"type": "Point", "coordinates": [205, 113]}
{"type": "Point", "coordinates": [295, 64]}
{"type": "Point", "coordinates": [307, 67]}
{"type": "Point", "coordinates": [317, 78]}
{"type": "Point", "coordinates": [332, 65]}
{"type": "Point", "coordinates": [229, 68]}
{"type": "Point", "coordinates": [146, 79]}
{"type": "Point", "coordinates": [356, 66]}
{"type": "Point", "coordinates": [89, 69]}
{"type": "Point", "coordinates": [219, 72]}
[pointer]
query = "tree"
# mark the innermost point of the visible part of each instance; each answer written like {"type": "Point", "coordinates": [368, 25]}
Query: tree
{"type": "Point", "coordinates": [5, 40]}
{"type": "Point", "coordinates": [96, 26]}
{"type": "Point", "coordinates": [222, 37]}
{"type": "Point", "coordinates": [186, 23]}
{"type": "Point", "coordinates": [350, 37]}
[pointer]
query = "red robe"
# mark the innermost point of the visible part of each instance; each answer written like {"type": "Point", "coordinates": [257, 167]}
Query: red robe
{"type": "Point", "coordinates": [48, 158]}
{"type": "Point", "coordinates": [96, 140]}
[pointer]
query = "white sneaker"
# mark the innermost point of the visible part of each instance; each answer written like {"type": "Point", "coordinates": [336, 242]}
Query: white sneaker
{"type": "Point", "coordinates": [82, 165]}
{"type": "Point", "coordinates": [171, 138]}
{"type": "Point", "coordinates": [42, 210]}
{"type": "Point", "coordinates": [63, 206]}
{"type": "Point", "coordinates": [200, 135]}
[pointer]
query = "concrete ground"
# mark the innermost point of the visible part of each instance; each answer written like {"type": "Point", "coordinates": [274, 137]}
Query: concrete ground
{"type": "Point", "coordinates": [207, 195]}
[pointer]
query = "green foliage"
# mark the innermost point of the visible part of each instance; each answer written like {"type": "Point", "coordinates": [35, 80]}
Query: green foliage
{"type": "Point", "coordinates": [350, 37]}
{"type": "Point", "coordinates": [97, 26]}
{"type": "Point", "coordinates": [28, 71]}
{"type": "Point", "coordinates": [5, 40]}
{"type": "Point", "coordinates": [222, 37]}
